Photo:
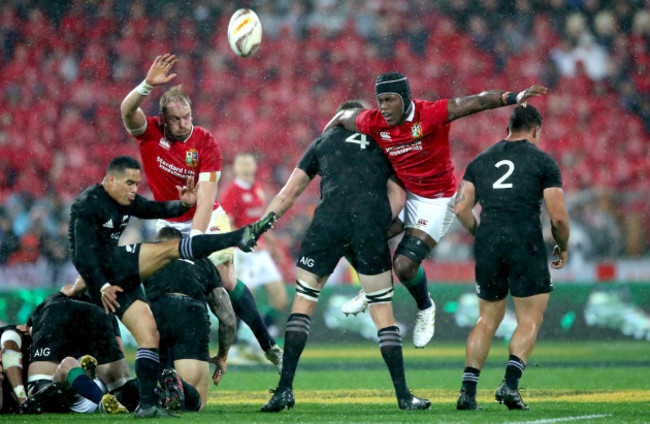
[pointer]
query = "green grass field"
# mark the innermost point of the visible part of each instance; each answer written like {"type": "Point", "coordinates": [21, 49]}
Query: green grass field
{"type": "Point", "coordinates": [585, 382]}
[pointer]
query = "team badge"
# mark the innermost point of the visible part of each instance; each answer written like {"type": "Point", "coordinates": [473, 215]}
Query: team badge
{"type": "Point", "coordinates": [416, 130]}
{"type": "Point", "coordinates": [192, 158]}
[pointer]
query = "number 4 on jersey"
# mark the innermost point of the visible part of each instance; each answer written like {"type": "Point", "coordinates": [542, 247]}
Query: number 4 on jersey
{"type": "Point", "coordinates": [359, 139]}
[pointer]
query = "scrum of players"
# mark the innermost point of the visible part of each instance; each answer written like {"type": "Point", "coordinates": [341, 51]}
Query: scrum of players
{"type": "Point", "coordinates": [69, 356]}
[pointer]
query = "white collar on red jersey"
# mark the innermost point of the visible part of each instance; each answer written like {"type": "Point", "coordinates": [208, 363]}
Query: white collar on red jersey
{"type": "Point", "coordinates": [412, 114]}
{"type": "Point", "coordinates": [243, 184]}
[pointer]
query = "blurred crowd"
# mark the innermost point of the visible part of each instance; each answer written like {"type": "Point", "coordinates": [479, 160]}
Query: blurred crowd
{"type": "Point", "coordinates": [67, 65]}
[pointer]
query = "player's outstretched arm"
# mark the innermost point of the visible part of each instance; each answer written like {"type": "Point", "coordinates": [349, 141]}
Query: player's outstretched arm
{"type": "Point", "coordinates": [133, 117]}
{"type": "Point", "coordinates": [282, 202]}
{"type": "Point", "coordinates": [347, 118]}
{"type": "Point", "coordinates": [560, 227]}
{"type": "Point", "coordinates": [490, 99]}
{"type": "Point", "coordinates": [220, 305]}
{"type": "Point", "coordinates": [464, 208]}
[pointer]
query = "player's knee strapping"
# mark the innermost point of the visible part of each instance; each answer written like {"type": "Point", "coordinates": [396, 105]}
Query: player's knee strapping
{"type": "Point", "coordinates": [380, 296]}
{"type": "Point", "coordinates": [413, 248]}
{"type": "Point", "coordinates": [10, 357]}
{"type": "Point", "coordinates": [306, 291]}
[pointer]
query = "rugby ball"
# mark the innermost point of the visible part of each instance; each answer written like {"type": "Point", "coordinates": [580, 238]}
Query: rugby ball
{"type": "Point", "coordinates": [244, 32]}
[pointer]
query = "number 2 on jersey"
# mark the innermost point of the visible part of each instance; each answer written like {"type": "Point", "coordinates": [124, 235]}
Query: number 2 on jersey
{"type": "Point", "coordinates": [500, 182]}
{"type": "Point", "coordinates": [359, 139]}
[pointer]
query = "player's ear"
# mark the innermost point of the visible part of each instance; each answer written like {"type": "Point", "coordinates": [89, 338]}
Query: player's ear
{"type": "Point", "coordinates": [162, 118]}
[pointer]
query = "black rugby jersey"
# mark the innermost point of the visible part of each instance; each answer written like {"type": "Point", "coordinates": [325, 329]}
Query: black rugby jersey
{"type": "Point", "coordinates": [192, 278]}
{"type": "Point", "coordinates": [509, 179]}
{"type": "Point", "coordinates": [354, 171]}
{"type": "Point", "coordinates": [96, 223]}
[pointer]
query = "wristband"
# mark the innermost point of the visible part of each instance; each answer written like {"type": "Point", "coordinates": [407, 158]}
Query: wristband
{"type": "Point", "coordinates": [104, 287]}
{"type": "Point", "coordinates": [195, 232]}
{"type": "Point", "coordinates": [508, 98]}
{"type": "Point", "coordinates": [19, 390]}
{"type": "Point", "coordinates": [144, 88]}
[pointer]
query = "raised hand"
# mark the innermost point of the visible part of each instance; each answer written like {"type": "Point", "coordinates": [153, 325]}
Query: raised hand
{"type": "Point", "coordinates": [533, 91]}
{"type": "Point", "coordinates": [160, 67]}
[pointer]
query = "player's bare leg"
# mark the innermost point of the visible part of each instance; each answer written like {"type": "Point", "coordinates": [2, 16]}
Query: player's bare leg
{"type": "Point", "coordinates": [530, 313]}
{"type": "Point", "coordinates": [245, 308]}
{"type": "Point", "coordinates": [491, 314]}
{"type": "Point", "coordinates": [197, 374]}
{"type": "Point", "coordinates": [379, 293]}
{"type": "Point", "coordinates": [480, 338]}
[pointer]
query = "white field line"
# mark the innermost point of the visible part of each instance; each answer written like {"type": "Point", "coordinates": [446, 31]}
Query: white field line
{"type": "Point", "coordinates": [564, 419]}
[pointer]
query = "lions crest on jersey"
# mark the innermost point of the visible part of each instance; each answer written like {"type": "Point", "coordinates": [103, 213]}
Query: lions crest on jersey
{"type": "Point", "coordinates": [192, 158]}
{"type": "Point", "coordinates": [416, 130]}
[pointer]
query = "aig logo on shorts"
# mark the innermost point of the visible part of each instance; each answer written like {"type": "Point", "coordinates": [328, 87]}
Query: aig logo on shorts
{"type": "Point", "coordinates": [44, 351]}
{"type": "Point", "coordinates": [307, 262]}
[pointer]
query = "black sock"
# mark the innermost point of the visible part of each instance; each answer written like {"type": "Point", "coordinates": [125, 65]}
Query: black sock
{"type": "Point", "coordinates": [514, 370]}
{"type": "Point", "coordinates": [470, 380]}
{"type": "Point", "coordinates": [128, 394]}
{"type": "Point", "coordinates": [295, 339]}
{"type": "Point", "coordinates": [192, 397]}
{"type": "Point", "coordinates": [202, 246]}
{"type": "Point", "coordinates": [147, 368]}
{"type": "Point", "coordinates": [390, 345]}
{"type": "Point", "coordinates": [419, 289]}
{"type": "Point", "coordinates": [243, 303]}
{"type": "Point", "coordinates": [84, 385]}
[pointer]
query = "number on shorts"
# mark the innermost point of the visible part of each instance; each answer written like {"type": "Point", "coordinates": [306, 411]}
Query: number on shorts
{"type": "Point", "coordinates": [500, 182]}
{"type": "Point", "coordinates": [359, 139]}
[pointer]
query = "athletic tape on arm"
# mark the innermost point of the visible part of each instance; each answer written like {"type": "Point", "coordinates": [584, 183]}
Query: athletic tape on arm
{"type": "Point", "coordinates": [213, 176]}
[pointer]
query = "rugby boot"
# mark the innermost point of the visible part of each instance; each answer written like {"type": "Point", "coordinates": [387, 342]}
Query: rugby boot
{"type": "Point", "coordinates": [254, 231]}
{"type": "Point", "coordinates": [50, 398]}
{"type": "Point", "coordinates": [413, 403]}
{"type": "Point", "coordinates": [425, 326]}
{"type": "Point", "coordinates": [357, 305]}
{"type": "Point", "coordinates": [172, 389]}
{"type": "Point", "coordinates": [467, 402]}
{"type": "Point", "coordinates": [511, 398]}
{"type": "Point", "coordinates": [153, 411]}
{"type": "Point", "coordinates": [274, 355]}
{"type": "Point", "coordinates": [89, 365]}
{"type": "Point", "coordinates": [110, 405]}
{"type": "Point", "coordinates": [30, 406]}
{"type": "Point", "coordinates": [282, 399]}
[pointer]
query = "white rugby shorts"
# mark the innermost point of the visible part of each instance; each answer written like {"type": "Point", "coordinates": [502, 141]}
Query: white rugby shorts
{"type": "Point", "coordinates": [256, 268]}
{"type": "Point", "coordinates": [433, 216]}
{"type": "Point", "coordinates": [219, 223]}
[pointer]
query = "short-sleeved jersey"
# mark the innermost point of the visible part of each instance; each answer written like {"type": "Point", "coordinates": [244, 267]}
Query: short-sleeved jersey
{"type": "Point", "coordinates": [509, 179]}
{"type": "Point", "coordinates": [354, 172]}
{"type": "Point", "coordinates": [169, 163]}
{"type": "Point", "coordinates": [96, 224]}
{"type": "Point", "coordinates": [244, 204]}
{"type": "Point", "coordinates": [418, 148]}
{"type": "Point", "coordinates": [192, 278]}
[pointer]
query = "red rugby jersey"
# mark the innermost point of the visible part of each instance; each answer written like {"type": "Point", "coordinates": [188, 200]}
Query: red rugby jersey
{"type": "Point", "coordinates": [418, 148]}
{"type": "Point", "coordinates": [243, 204]}
{"type": "Point", "coordinates": [169, 163]}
